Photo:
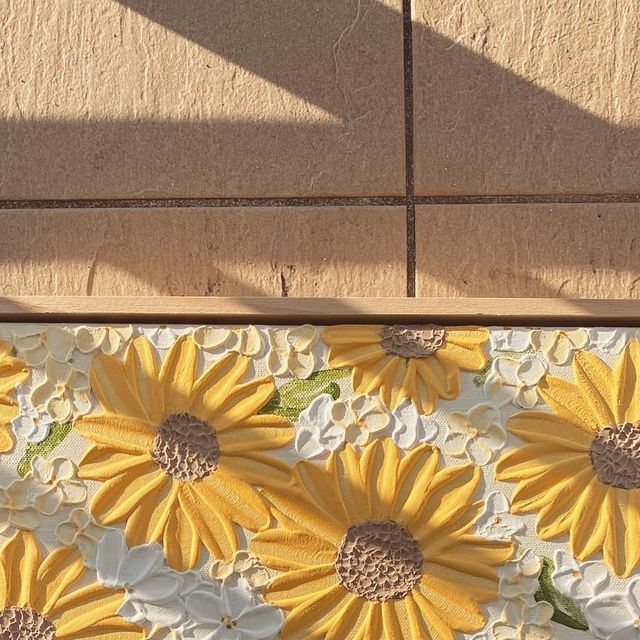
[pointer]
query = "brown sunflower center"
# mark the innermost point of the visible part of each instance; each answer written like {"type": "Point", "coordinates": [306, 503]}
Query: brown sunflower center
{"type": "Point", "coordinates": [412, 341]}
{"type": "Point", "coordinates": [25, 623]}
{"type": "Point", "coordinates": [186, 447]}
{"type": "Point", "coordinates": [379, 560]}
{"type": "Point", "coordinates": [615, 455]}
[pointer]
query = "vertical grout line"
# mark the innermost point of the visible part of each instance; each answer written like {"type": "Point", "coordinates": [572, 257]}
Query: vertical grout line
{"type": "Point", "coordinates": [408, 142]}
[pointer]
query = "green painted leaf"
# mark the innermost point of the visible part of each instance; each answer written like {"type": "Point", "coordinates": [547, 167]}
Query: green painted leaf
{"type": "Point", "coordinates": [57, 434]}
{"type": "Point", "coordinates": [565, 611]}
{"type": "Point", "coordinates": [295, 396]}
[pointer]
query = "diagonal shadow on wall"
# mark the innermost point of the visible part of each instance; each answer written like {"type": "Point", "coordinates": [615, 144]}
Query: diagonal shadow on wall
{"type": "Point", "coordinates": [534, 133]}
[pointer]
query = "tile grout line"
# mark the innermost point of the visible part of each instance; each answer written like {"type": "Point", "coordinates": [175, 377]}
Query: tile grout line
{"type": "Point", "coordinates": [407, 27]}
{"type": "Point", "coordinates": [373, 201]}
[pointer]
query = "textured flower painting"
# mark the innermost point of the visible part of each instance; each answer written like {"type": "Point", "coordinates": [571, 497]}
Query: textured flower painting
{"type": "Point", "coordinates": [308, 482]}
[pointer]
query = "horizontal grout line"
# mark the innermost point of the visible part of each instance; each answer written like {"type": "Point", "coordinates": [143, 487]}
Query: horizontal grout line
{"type": "Point", "coordinates": [373, 201]}
{"type": "Point", "coordinates": [141, 203]}
{"type": "Point", "coordinates": [603, 198]}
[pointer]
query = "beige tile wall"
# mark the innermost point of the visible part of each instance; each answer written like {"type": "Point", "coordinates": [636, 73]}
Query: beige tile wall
{"type": "Point", "coordinates": [277, 131]}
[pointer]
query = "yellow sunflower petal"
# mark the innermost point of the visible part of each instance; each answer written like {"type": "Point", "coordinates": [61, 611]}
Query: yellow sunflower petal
{"type": "Point", "coordinates": [541, 426]}
{"type": "Point", "coordinates": [251, 439]}
{"type": "Point", "coordinates": [595, 382]}
{"type": "Point", "coordinates": [447, 576]}
{"type": "Point", "coordinates": [181, 542]}
{"type": "Point", "coordinates": [214, 528]}
{"type": "Point", "coordinates": [292, 588]}
{"type": "Point", "coordinates": [455, 607]}
{"type": "Point", "coordinates": [352, 621]}
{"type": "Point", "coordinates": [474, 359]}
{"type": "Point", "coordinates": [103, 463]}
{"type": "Point", "coordinates": [568, 403]}
{"type": "Point", "coordinates": [358, 620]}
{"type": "Point", "coordinates": [475, 548]}
{"type": "Point", "coordinates": [244, 401]}
{"type": "Point", "coordinates": [109, 383]}
{"type": "Point", "coordinates": [237, 499]}
{"type": "Point", "coordinates": [59, 570]}
{"type": "Point", "coordinates": [256, 468]}
{"type": "Point", "coordinates": [450, 488]}
{"type": "Point", "coordinates": [415, 473]}
{"type": "Point", "coordinates": [626, 382]}
{"type": "Point", "coordinates": [134, 495]}
{"type": "Point", "coordinates": [620, 547]}
{"type": "Point", "coordinates": [391, 381]}
{"type": "Point", "coordinates": [461, 521]}
{"type": "Point", "coordinates": [20, 558]}
{"type": "Point", "coordinates": [417, 625]}
{"type": "Point", "coordinates": [214, 385]}
{"type": "Point", "coordinates": [394, 621]}
{"type": "Point", "coordinates": [323, 489]}
{"type": "Point", "coordinates": [441, 374]}
{"type": "Point", "coordinates": [467, 336]}
{"type": "Point", "coordinates": [555, 517]}
{"type": "Point", "coordinates": [425, 396]}
{"type": "Point", "coordinates": [147, 521]}
{"type": "Point", "coordinates": [178, 375]}
{"type": "Point", "coordinates": [13, 371]}
{"type": "Point", "coordinates": [345, 469]}
{"type": "Point", "coordinates": [7, 441]}
{"type": "Point", "coordinates": [310, 620]}
{"type": "Point", "coordinates": [113, 492]}
{"type": "Point", "coordinates": [113, 628]}
{"type": "Point", "coordinates": [288, 550]}
{"type": "Point", "coordinates": [120, 432]}
{"type": "Point", "coordinates": [306, 515]}
{"type": "Point", "coordinates": [379, 469]}
{"type": "Point", "coordinates": [80, 613]}
{"type": "Point", "coordinates": [540, 491]}
{"type": "Point", "coordinates": [141, 368]}
{"type": "Point", "coordinates": [366, 379]}
{"type": "Point", "coordinates": [358, 355]}
{"type": "Point", "coordinates": [531, 460]}
{"type": "Point", "coordinates": [431, 618]}
{"type": "Point", "coordinates": [588, 526]}
{"type": "Point", "coordinates": [352, 334]}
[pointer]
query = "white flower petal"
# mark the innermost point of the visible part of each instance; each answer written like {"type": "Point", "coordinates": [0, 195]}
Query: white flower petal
{"type": "Point", "coordinates": [205, 607]}
{"type": "Point", "coordinates": [48, 502]}
{"type": "Point", "coordinates": [252, 341]}
{"type": "Point", "coordinates": [210, 337]}
{"type": "Point", "coordinates": [28, 518]}
{"type": "Point", "coordinates": [303, 338]}
{"type": "Point", "coordinates": [59, 408]}
{"type": "Point", "coordinates": [88, 339]}
{"type": "Point", "coordinates": [302, 365]}
{"type": "Point", "coordinates": [111, 554]}
{"type": "Point", "coordinates": [158, 588]}
{"type": "Point", "coordinates": [260, 622]}
{"type": "Point", "coordinates": [141, 561]}
{"type": "Point", "coordinates": [498, 391]}
{"type": "Point", "coordinates": [307, 443]}
{"type": "Point", "coordinates": [331, 437]}
{"type": "Point", "coordinates": [35, 358]}
{"type": "Point", "coordinates": [60, 342]}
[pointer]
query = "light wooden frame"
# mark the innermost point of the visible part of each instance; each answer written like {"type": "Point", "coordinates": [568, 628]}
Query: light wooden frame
{"type": "Point", "coordinates": [484, 311]}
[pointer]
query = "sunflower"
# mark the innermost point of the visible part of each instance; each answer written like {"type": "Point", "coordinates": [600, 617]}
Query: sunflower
{"type": "Point", "coordinates": [580, 468]}
{"type": "Point", "coordinates": [419, 362]}
{"type": "Point", "coordinates": [37, 599]}
{"type": "Point", "coordinates": [375, 546]}
{"type": "Point", "coordinates": [12, 372]}
{"type": "Point", "coordinates": [178, 453]}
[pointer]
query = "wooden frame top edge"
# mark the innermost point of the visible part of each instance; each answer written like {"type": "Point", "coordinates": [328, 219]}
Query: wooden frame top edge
{"type": "Point", "coordinates": [506, 311]}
